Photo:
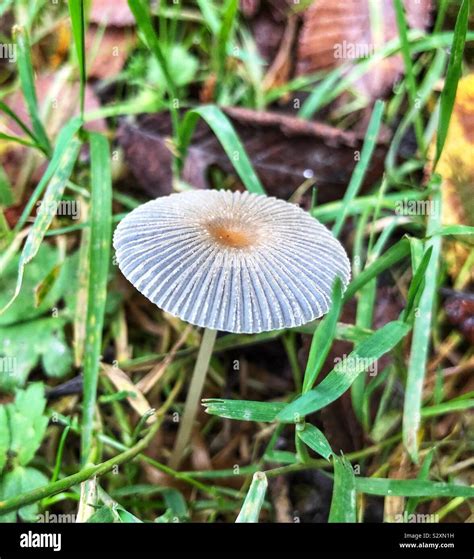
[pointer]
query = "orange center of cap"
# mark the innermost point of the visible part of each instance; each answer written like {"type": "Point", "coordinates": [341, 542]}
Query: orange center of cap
{"type": "Point", "coordinates": [230, 235]}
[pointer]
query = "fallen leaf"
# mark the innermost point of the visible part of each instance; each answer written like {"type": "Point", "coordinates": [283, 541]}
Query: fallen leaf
{"type": "Point", "coordinates": [337, 31]}
{"type": "Point", "coordinates": [285, 151]}
{"type": "Point", "coordinates": [115, 13]}
{"type": "Point", "coordinates": [108, 50]}
{"type": "Point", "coordinates": [456, 166]}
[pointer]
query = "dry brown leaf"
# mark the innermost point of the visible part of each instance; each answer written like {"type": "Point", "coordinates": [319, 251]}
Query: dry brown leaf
{"type": "Point", "coordinates": [341, 30]}
{"type": "Point", "coordinates": [115, 13]}
{"type": "Point", "coordinates": [122, 381]}
{"type": "Point", "coordinates": [285, 151]}
{"type": "Point", "coordinates": [148, 381]}
{"type": "Point", "coordinates": [109, 50]}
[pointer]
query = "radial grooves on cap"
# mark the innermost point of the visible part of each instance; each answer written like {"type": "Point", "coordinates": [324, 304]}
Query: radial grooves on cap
{"type": "Point", "coordinates": [280, 277]}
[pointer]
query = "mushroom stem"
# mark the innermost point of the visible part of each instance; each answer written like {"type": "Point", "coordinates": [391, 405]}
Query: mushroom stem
{"type": "Point", "coordinates": [194, 396]}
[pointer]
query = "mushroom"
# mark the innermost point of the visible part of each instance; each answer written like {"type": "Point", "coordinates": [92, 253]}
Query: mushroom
{"type": "Point", "coordinates": [231, 261]}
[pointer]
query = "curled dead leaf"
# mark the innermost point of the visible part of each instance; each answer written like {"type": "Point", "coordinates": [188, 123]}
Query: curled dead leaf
{"type": "Point", "coordinates": [285, 151]}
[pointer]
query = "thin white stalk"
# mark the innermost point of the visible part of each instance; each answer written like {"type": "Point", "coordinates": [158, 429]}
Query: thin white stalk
{"type": "Point", "coordinates": [194, 396]}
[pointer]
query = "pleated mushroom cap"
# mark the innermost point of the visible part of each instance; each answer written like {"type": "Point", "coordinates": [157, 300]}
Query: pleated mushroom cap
{"type": "Point", "coordinates": [231, 261]}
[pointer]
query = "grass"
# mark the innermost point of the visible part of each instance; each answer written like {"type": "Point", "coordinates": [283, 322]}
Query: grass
{"type": "Point", "coordinates": [254, 499]}
{"type": "Point", "coordinates": [223, 129]}
{"type": "Point", "coordinates": [78, 24]}
{"type": "Point", "coordinates": [343, 504]}
{"type": "Point", "coordinates": [52, 195]}
{"type": "Point", "coordinates": [271, 420]}
{"type": "Point", "coordinates": [453, 75]}
{"type": "Point", "coordinates": [421, 336]}
{"type": "Point", "coordinates": [409, 73]}
{"type": "Point", "coordinates": [98, 267]}
{"type": "Point", "coordinates": [362, 164]}
{"type": "Point", "coordinates": [28, 88]}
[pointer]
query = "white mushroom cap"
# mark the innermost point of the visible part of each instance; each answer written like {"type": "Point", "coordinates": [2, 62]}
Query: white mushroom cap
{"type": "Point", "coordinates": [231, 261]}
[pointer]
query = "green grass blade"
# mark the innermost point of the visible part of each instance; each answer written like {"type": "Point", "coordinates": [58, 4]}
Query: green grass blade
{"type": "Point", "coordinates": [19, 140]}
{"type": "Point", "coordinates": [362, 165]}
{"type": "Point", "coordinates": [25, 70]}
{"type": "Point", "coordinates": [423, 474]}
{"type": "Point", "coordinates": [421, 336]}
{"type": "Point", "coordinates": [46, 212]}
{"type": "Point", "coordinates": [208, 11]}
{"type": "Point", "coordinates": [6, 193]}
{"type": "Point", "coordinates": [365, 310]}
{"type": "Point", "coordinates": [454, 230]}
{"type": "Point", "coordinates": [452, 406]}
{"type": "Point", "coordinates": [99, 260]}
{"type": "Point", "coordinates": [411, 488]}
{"type": "Point", "coordinates": [394, 254]}
{"type": "Point", "coordinates": [59, 454]}
{"type": "Point", "coordinates": [314, 438]}
{"type": "Point", "coordinates": [346, 332]}
{"type": "Point", "coordinates": [366, 296]}
{"type": "Point", "coordinates": [343, 375]}
{"type": "Point", "coordinates": [319, 94]}
{"type": "Point", "coordinates": [409, 73]}
{"type": "Point", "coordinates": [322, 339]}
{"type": "Point", "coordinates": [424, 94]}
{"type": "Point", "coordinates": [330, 211]}
{"type": "Point", "coordinates": [340, 79]}
{"type": "Point", "coordinates": [225, 36]}
{"type": "Point", "coordinates": [254, 499]}
{"type": "Point", "coordinates": [223, 129]}
{"type": "Point", "coordinates": [6, 109]}
{"type": "Point", "coordinates": [78, 24]}
{"type": "Point", "coordinates": [416, 284]}
{"type": "Point", "coordinates": [453, 74]}
{"type": "Point", "coordinates": [63, 142]}
{"type": "Point", "coordinates": [140, 10]}
{"type": "Point", "coordinates": [343, 503]}
{"type": "Point", "coordinates": [243, 410]}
